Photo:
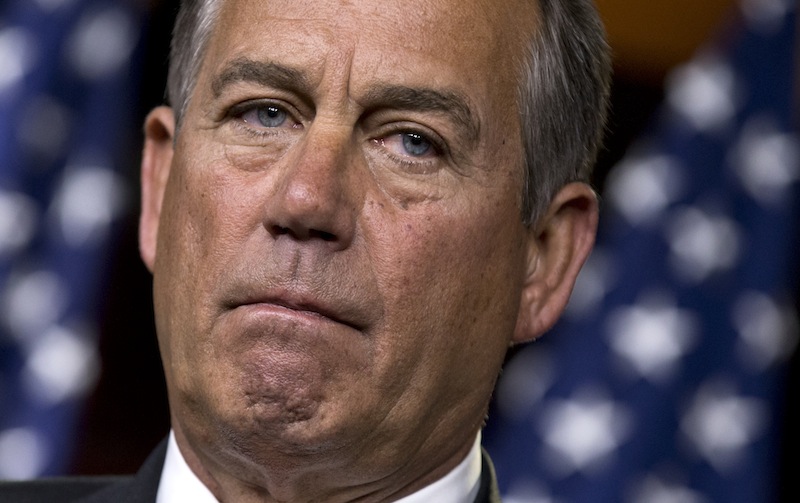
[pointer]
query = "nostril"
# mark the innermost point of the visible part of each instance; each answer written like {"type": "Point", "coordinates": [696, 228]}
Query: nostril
{"type": "Point", "coordinates": [279, 230]}
{"type": "Point", "coordinates": [325, 236]}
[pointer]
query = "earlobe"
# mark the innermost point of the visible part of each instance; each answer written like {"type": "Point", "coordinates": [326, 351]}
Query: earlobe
{"type": "Point", "coordinates": [159, 134]}
{"type": "Point", "coordinates": [559, 244]}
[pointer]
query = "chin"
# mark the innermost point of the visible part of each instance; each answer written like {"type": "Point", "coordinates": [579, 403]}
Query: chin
{"type": "Point", "coordinates": [284, 403]}
{"type": "Point", "coordinates": [266, 431]}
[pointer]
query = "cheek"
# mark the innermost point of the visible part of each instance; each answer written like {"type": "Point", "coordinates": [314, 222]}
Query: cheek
{"type": "Point", "coordinates": [212, 210]}
{"type": "Point", "coordinates": [197, 239]}
{"type": "Point", "coordinates": [450, 274]}
{"type": "Point", "coordinates": [451, 291]}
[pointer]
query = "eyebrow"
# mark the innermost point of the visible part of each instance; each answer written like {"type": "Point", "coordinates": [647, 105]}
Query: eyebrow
{"type": "Point", "coordinates": [266, 74]}
{"type": "Point", "coordinates": [269, 74]}
{"type": "Point", "coordinates": [449, 103]}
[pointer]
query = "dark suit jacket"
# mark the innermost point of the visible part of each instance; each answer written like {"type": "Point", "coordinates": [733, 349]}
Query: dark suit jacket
{"type": "Point", "coordinates": [142, 487]}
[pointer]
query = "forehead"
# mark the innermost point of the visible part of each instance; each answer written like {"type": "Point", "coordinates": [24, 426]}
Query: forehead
{"type": "Point", "coordinates": [473, 43]}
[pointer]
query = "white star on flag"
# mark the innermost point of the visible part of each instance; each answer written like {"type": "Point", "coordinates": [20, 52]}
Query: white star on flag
{"type": "Point", "coordinates": [766, 160]}
{"type": "Point", "coordinates": [765, 15]}
{"type": "Point", "coordinates": [721, 424]}
{"type": "Point", "coordinates": [583, 432]}
{"type": "Point", "coordinates": [701, 243]}
{"type": "Point", "coordinates": [656, 490]}
{"type": "Point", "coordinates": [17, 57]}
{"type": "Point", "coordinates": [767, 330]}
{"type": "Point", "coordinates": [705, 93]}
{"type": "Point", "coordinates": [643, 187]}
{"type": "Point", "coordinates": [651, 336]}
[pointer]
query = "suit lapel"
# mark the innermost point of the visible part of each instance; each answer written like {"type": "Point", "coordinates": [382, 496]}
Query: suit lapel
{"type": "Point", "coordinates": [489, 492]}
{"type": "Point", "coordinates": [141, 488]}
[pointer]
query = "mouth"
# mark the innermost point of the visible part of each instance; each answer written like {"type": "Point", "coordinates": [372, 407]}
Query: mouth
{"type": "Point", "coordinates": [303, 307]}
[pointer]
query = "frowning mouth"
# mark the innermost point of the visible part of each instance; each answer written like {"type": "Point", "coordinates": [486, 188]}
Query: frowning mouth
{"type": "Point", "coordinates": [299, 307]}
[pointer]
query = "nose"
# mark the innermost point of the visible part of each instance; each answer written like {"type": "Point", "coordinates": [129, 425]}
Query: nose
{"type": "Point", "coordinates": [317, 193]}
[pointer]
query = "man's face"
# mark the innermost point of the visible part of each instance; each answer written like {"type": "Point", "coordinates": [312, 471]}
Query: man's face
{"type": "Point", "coordinates": [340, 251]}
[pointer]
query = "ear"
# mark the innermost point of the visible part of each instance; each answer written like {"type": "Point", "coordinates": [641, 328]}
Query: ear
{"type": "Point", "coordinates": [559, 244]}
{"type": "Point", "coordinates": [159, 134]}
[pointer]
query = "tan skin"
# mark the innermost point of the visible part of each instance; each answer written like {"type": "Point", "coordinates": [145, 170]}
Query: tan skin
{"type": "Point", "coordinates": [338, 269]}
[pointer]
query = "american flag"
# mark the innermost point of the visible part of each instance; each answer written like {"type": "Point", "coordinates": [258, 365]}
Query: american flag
{"type": "Point", "coordinates": [665, 381]}
{"type": "Point", "coordinates": [66, 110]}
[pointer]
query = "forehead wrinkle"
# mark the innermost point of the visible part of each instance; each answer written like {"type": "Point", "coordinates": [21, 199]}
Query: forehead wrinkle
{"type": "Point", "coordinates": [263, 73]}
{"type": "Point", "coordinates": [450, 103]}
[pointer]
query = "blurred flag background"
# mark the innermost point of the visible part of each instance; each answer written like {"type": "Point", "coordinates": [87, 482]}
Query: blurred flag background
{"type": "Point", "coordinates": [666, 382]}
{"type": "Point", "coordinates": [68, 92]}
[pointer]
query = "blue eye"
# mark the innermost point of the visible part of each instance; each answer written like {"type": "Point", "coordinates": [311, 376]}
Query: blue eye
{"type": "Point", "coordinates": [415, 144]}
{"type": "Point", "coordinates": [411, 146]}
{"type": "Point", "coordinates": [271, 116]}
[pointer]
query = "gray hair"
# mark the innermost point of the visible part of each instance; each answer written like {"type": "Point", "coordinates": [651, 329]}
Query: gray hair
{"type": "Point", "coordinates": [563, 100]}
{"type": "Point", "coordinates": [190, 36]}
{"type": "Point", "coordinates": [563, 92]}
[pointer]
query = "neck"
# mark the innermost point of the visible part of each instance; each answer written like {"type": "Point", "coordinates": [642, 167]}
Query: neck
{"type": "Point", "coordinates": [231, 476]}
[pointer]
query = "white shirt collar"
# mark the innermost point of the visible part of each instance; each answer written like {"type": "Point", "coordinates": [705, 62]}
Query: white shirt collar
{"type": "Point", "coordinates": [461, 485]}
{"type": "Point", "coordinates": [179, 483]}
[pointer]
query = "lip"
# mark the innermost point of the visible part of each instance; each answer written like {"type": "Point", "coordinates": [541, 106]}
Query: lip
{"type": "Point", "coordinates": [303, 306]}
